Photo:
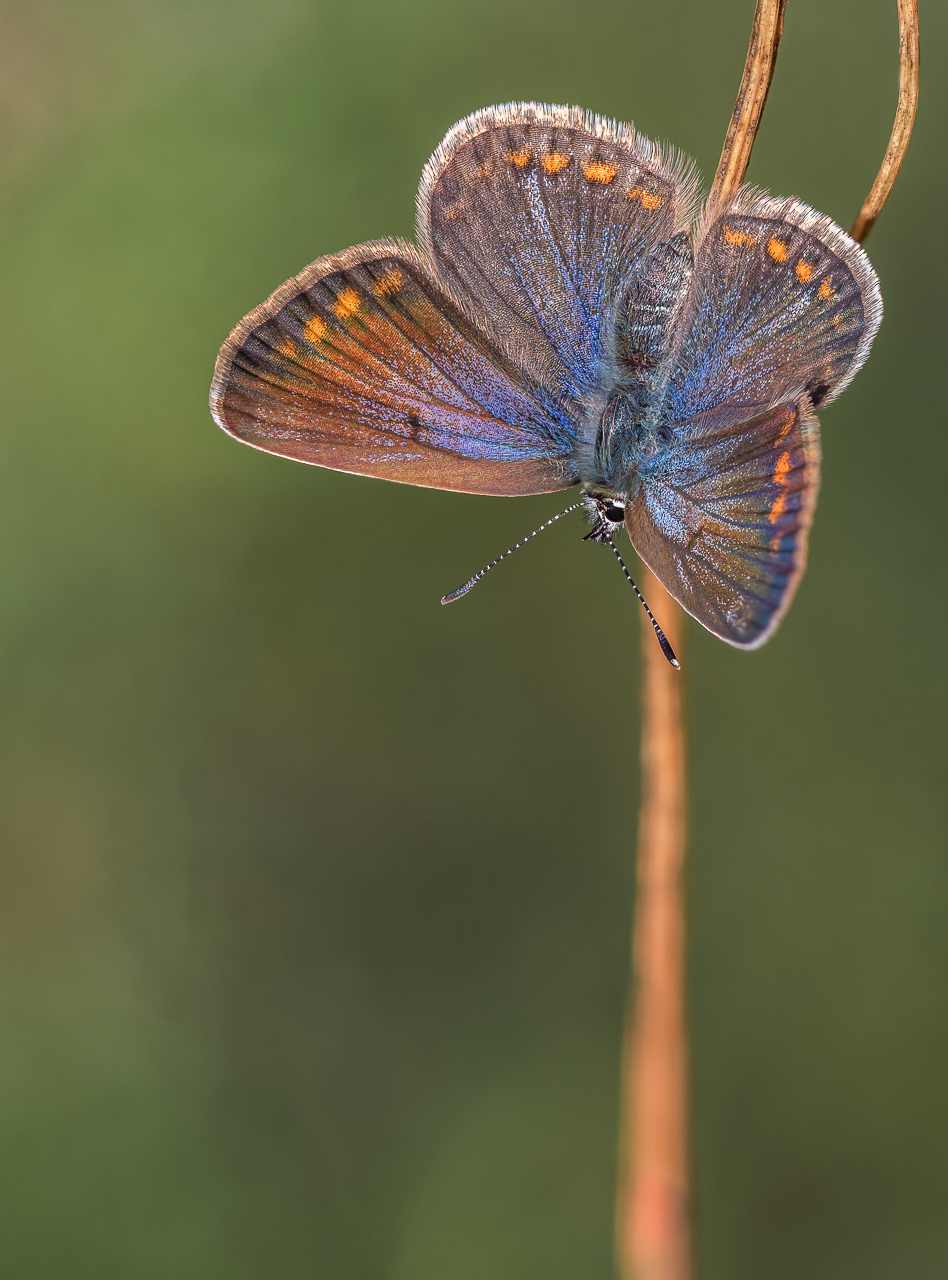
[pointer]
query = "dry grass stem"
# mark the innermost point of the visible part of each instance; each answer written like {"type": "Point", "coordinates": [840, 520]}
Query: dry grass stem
{"type": "Point", "coordinates": [652, 1219]}
{"type": "Point", "coordinates": [652, 1211]}
{"type": "Point", "coordinates": [751, 98]}
{"type": "Point", "coordinates": [904, 120]}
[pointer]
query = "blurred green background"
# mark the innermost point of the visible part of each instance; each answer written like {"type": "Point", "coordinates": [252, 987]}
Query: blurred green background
{"type": "Point", "coordinates": [315, 896]}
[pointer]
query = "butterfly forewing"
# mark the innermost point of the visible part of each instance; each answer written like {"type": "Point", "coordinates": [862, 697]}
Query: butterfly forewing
{"type": "Point", "coordinates": [535, 217]}
{"type": "Point", "coordinates": [363, 364]}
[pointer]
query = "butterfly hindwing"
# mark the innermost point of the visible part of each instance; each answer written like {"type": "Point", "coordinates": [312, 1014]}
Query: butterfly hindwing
{"type": "Point", "coordinates": [363, 364]}
{"type": "Point", "coordinates": [535, 217]}
{"type": "Point", "coordinates": [781, 304]}
{"type": "Point", "coordinates": [722, 520]}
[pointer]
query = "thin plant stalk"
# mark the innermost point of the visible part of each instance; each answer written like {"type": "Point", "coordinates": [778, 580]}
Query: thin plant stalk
{"type": "Point", "coordinates": [653, 1208]}
{"type": "Point", "coordinates": [904, 120]}
{"type": "Point", "coordinates": [654, 1239]}
{"type": "Point", "coordinates": [751, 100]}
{"type": "Point", "coordinates": [653, 1232]}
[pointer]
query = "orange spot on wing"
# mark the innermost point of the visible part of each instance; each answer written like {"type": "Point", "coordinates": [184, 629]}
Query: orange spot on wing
{"type": "Point", "coordinates": [786, 429]}
{"type": "Point", "coordinates": [596, 171]}
{"type": "Point", "coordinates": [388, 283]}
{"type": "Point", "coordinates": [519, 158]}
{"type": "Point", "coordinates": [781, 471]}
{"type": "Point", "coordinates": [646, 199]}
{"type": "Point", "coordinates": [347, 304]}
{"type": "Point", "coordinates": [778, 508]}
{"type": "Point", "coordinates": [777, 249]}
{"type": "Point", "coordinates": [554, 162]}
{"type": "Point", "coordinates": [740, 238]}
{"type": "Point", "coordinates": [315, 330]}
{"type": "Point", "coordinates": [838, 320]}
{"type": "Point", "coordinates": [485, 169]}
{"type": "Point", "coordinates": [827, 292]}
{"type": "Point", "coordinates": [804, 271]}
{"type": "Point", "coordinates": [286, 348]}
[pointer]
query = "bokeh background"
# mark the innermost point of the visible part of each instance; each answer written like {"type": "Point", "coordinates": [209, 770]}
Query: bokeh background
{"type": "Point", "coordinates": [315, 896]}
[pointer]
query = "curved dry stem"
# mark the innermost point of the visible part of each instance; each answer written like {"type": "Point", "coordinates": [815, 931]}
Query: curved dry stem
{"type": "Point", "coordinates": [751, 98]}
{"type": "Point", "coordinates": [904, 120]}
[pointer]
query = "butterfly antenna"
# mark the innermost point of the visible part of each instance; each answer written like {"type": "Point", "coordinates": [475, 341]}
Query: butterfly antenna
{"type": "Point", "coordinates": [462, 591]}
{"type": "Point", "coordinates": [668, 651]}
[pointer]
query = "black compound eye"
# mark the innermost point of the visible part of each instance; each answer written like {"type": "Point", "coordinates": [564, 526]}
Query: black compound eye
{"type": "Point", "coordinates": [615, 514]}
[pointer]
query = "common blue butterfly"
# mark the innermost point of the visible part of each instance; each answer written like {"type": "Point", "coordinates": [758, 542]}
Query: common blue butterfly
{"type": "Point", "coordinates": [571, 315]}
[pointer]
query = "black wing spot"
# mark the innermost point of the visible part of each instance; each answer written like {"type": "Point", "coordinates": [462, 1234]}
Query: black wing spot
{"type": "Point", "coordinates": [414, 422]}
{"type": "Point", "coordinates": [819, 392]}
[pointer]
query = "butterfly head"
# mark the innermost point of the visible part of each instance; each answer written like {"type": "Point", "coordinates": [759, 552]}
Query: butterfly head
{"type": "Point", "coordinates": [606, 513]}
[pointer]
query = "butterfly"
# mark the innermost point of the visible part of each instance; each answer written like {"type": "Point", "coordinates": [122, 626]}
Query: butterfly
{"type": "Point", "coordinates": [571, 315]}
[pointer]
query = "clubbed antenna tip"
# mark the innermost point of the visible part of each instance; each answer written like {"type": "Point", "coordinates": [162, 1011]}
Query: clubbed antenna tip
{"type": "Point", "coordinates": [459, 591]}
{"type": "Point", "coordinates": [462, 591]}
{"type": "Point", "coordinates": [666, 648]}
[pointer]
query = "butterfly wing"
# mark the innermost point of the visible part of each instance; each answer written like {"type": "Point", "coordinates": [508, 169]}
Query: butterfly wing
{"type": "Point", "coordinates": [781, 310]}
{"type": "Point", "coordinates": [535, 217]}
{"type": "Point", "coordinates": [782, 304]}
{"type": "Point", "coordinates": [362, 363]}
{"type": "Point", "coordinates": [722, 520]}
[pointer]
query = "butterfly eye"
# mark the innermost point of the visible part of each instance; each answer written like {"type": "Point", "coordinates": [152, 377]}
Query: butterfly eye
{"type": "Point", "coordinates": [615, 514]}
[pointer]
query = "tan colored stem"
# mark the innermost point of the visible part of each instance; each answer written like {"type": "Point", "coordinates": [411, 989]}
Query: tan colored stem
{"type": "Point", "coordinates": [904, 120]}
{"type": "Point", "coordinates": [751, 97]}
{"type": "Point", "coordinates": [652, 1212]}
